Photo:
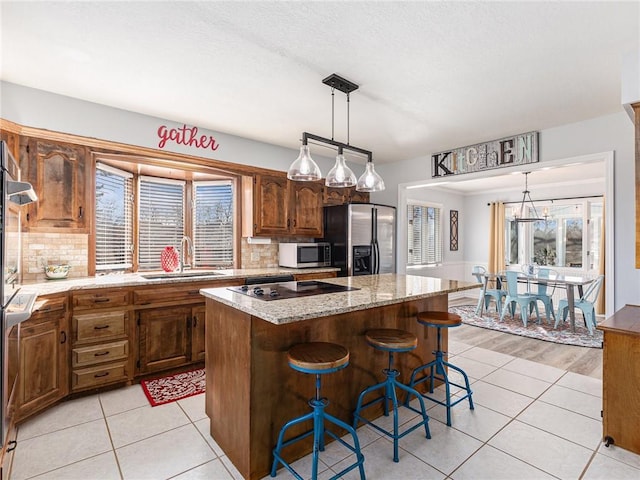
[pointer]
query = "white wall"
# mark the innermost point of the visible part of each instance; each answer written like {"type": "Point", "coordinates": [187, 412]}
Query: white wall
{"type": "Point", "coordinates": [39, 109]}
{"type": "Point", "coordinates": [613, 132]}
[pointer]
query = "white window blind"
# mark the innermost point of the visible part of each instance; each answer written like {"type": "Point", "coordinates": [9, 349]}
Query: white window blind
{"type": "Point", "coordinates": [160, 217]}
{"type": "Point", "coordinates": [213, 224]}
{"type": "Point", "coordinates": [424, 234]}
{"type": "Point", "coordinates": [114, 217]}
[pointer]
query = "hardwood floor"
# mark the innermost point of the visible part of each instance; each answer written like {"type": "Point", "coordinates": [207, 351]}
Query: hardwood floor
{"type": "Point", "coordinates": [582, 360]}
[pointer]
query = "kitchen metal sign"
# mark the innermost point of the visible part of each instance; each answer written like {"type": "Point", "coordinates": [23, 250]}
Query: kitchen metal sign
{"type": "Point", "coordinates": [506, 152]}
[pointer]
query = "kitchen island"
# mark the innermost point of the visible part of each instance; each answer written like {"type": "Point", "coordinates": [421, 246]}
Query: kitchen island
{"type": "Point", "coordinates": [251, 391]}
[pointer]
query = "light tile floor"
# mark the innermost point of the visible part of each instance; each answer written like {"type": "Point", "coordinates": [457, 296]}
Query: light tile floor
{"type": "Point", "coordinates": [531, 421]}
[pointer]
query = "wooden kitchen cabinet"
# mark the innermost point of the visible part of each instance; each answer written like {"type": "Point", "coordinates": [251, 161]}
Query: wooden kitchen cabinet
{"type": "Point", "coordinates": [275, 206]}
{"type": "Point", "coordinates": [61, 178]}
{"type": "Point", "coordinates": [621, 379]}
{"type": "Point", "coordinates": [101, 338]}
{"type": "Point", "coordinates": [170, 324]}
{"type": "Point", "coordinates": [270, 205]}
{"type": "Point", "coordinates": [340, 196]}
{"type": "Point", "coordinates": [164, 338]}
{"type": "Point", "coordinates": [305, 209]}
{"type": "Point", "coordinates": [13, 142]}
{"type": "Point", "coordinates": [198, 338]}
{"type": "Point", "coordinates": [43, 376]}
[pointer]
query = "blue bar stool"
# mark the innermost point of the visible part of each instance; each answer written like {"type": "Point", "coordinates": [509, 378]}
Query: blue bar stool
{"type": "Point", "coordinates": [318, 358]}
{"type": "Point", "coordinates": [441, 320]}
{"type": "Point", "coordinates": [391, 340]}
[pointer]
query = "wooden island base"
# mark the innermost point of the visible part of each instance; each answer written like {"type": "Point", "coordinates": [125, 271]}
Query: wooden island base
{"type": "Point", "coordinates": [251, 391]}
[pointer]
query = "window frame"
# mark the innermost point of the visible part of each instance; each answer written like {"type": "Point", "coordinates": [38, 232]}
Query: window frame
{"type": "Point", "coordinates": [526, 232]}
{"type": "Point", "coordinates": [168, 170]}
{"type": "Point", "coordinates": [126, 266]}
{"type": "Point", "coordinates": [439, 233]}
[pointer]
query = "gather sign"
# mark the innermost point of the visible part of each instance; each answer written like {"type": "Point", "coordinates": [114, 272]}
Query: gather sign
{"type": "Point", "coordinates": [505, 152]}
{"type": "Point", "coordinates": [186, 136]}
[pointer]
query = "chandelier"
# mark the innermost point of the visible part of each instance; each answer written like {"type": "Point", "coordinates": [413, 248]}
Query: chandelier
{"type": "Point", "coordinates": [524, 213]}
{"type": "Point", "coordinates": [304, 168]}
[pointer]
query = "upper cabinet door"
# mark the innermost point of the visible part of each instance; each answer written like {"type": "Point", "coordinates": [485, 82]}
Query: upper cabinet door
{"type": "Point", "coordinates": [57, 172]}
{"type": "Point", "coordinates": [270, 205]}
{"type": "Point", "coordinates": [306, 208]}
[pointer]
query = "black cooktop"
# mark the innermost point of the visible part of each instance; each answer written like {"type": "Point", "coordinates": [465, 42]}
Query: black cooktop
{"type": "Point", "coordinates": [279, 291]}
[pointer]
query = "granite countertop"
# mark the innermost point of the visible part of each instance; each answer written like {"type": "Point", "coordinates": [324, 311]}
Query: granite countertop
{"type": "Point", "coordinates": [374, 291]}
{"type": "Point", "coordinates": [50, 287]}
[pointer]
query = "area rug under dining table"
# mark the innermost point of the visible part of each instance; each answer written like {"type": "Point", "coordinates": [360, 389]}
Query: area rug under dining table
{"type": "Point", "coordinates": [539, 331]}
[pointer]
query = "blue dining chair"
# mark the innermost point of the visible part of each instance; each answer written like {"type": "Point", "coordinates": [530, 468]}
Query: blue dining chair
{"type": "Point", "coordinates": [543, 294]}
{"type": "Point", "coordinates": [524, 300]}
{"type": "Point", "coordinates": [496, 293]}
{"type": "Point", "coordinates": [585, 304]}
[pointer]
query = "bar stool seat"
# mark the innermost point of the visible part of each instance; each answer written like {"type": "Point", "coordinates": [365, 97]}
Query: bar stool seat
{"type": "Point", "coordinates": [440, 320]}
{"type": "Point", "coordinates": [318, 358]}
{"type": "Point", "coordinates": [391, 341]}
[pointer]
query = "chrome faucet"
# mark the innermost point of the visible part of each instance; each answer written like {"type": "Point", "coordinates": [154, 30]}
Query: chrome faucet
{"type": "Point", "coordinates": [185, 253]}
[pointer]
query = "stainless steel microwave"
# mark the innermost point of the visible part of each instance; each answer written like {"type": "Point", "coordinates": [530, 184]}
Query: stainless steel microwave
{"type": "Point", "coordinates": [305, 255]}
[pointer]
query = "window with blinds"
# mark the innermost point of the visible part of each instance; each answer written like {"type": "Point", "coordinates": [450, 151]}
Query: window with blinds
{"type": "Point", "coordinates": [114, 218]}
{"type": "Point", "coordinates": [213, 224]}
{"type": "Point", "coordinates": [160, 219]}
{"type": "Point", "coordinates": [424, 234]}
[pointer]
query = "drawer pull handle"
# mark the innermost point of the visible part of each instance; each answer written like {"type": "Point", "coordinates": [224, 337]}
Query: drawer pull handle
{"type": "Point", "coordinates": [101, 354]}
{"type": "Point", "coordinates": [101, 300]}
{"type": "Point", "coordinates": [100, 327]}
{"type": "Point", "coordinates": [98, 375]}
{"type": "Point", "coordinates": [12, 445]}
{"type": "Point", "coordinates": [194, 292]}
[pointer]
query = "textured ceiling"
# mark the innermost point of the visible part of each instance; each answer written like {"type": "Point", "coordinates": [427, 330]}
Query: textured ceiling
{"type": "Point", "coordinates": [432, 75]}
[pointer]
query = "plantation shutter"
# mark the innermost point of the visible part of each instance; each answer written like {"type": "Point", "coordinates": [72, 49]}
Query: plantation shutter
{"type": "Point", "coordinates": [424, 235]}
{"type": "Point", "coordinates": [160, 217]}
{"type": "Point", "coordinates": [213, 224]}
{"type": "Point", "coordinates": [114, 216]}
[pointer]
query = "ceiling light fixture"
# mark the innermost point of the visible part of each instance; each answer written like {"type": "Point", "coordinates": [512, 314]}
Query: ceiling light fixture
{"type": "Point", "coordinates": [305, 169]}
{"type": "Point", "coordinates": [524, 214]}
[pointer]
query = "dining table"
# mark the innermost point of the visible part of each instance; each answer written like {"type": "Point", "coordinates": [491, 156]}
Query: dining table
{"type": "Point", "coordinates": [561, 280]}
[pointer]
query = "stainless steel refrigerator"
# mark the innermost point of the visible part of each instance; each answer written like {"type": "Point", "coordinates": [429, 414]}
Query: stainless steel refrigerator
{"type": "Point", "coordinates": [363, 238]}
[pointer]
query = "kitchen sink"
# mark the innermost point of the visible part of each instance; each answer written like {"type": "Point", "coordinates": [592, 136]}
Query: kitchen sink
{"type": "Point", "coordinates": [19, 309]}
{"type": "Point", "coordinates": [188, 274]}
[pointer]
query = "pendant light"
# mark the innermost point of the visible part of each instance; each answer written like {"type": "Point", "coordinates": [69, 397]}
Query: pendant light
{"type": "Point", "coordinates": [370, 181]}
{"type": "Point", "coordinates": [304, 169]}
{"type": "Point", "coordinates": [523, 214]}
{"type": "Point", "coordinates": [341, 176]}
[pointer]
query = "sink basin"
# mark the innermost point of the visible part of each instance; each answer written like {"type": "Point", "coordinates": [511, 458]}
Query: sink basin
{"type": "Point", "coordinates": [188, 274]}
{"type": "Point", "coordinates": [20, 308]}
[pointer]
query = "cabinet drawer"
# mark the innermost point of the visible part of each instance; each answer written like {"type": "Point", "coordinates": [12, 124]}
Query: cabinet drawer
{"type": "Point", "coordinates": [101, 299]}
{"type": "Point", "coordinates": [47, 305]}
{"type": "Point", "coordinates": [95, 376]}
{"type": "Point", "coordinates": [105, 352]}
{"type": "Point", "coordinates": [160, 295]}
{"type": "Point", "coordinates": [99, 326]}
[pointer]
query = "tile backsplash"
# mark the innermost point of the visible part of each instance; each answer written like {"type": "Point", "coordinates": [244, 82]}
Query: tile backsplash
{"type": "Point", "coordinates": [259, 255]}
{"type": "Point", "coordinates": [39, 249]}
{"type": "Point", "coordinates": [72, 249]}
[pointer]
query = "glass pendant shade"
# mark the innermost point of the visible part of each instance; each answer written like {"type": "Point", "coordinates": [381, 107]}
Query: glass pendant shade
{"type": "Point", "coordinates": [340, 175]}
{"type": "Point", "coordinates": [370, 181]}
{"type": "Point", "coordinates": [304, 168]}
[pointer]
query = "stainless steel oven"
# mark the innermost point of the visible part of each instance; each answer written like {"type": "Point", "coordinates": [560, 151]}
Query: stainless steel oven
{"type": "Point", "coordinates": [14, 194]}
